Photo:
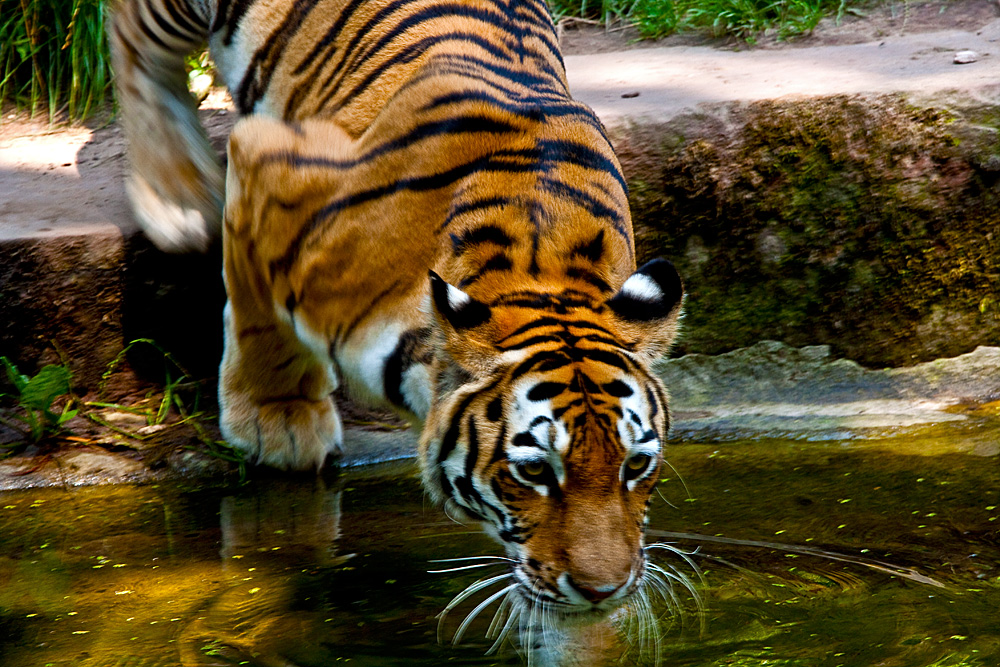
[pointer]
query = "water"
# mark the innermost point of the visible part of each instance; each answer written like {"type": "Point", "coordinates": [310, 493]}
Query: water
{"type": "Point", "coordinates": [313, 573]}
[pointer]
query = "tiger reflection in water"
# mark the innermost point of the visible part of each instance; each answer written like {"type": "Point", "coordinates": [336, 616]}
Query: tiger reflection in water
{"type": "Point", "coordinates": [290, 599]}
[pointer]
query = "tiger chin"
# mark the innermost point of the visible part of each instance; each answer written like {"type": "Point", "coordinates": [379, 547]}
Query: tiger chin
{"type": "Point", "coordinates": [418, 211]}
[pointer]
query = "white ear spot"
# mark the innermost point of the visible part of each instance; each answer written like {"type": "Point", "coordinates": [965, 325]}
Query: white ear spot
{"type": "Point", "coordinates": [641, 287]}
{"type": "Point", "coordinates": [457, 299]}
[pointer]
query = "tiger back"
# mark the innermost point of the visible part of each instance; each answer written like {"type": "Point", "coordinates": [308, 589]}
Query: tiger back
{"type": "Point", "coordinates": [417, 209]}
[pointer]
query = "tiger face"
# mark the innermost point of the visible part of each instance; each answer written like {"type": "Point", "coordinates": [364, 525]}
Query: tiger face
{"type": "Point", "coordinates": [555, 449]}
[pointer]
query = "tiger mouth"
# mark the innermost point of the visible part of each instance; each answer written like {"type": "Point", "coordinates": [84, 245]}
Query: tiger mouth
{"type": "Point", "coordinates": [535, 591]}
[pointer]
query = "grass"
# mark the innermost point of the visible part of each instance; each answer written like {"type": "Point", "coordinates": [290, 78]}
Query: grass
{"type": "Point", "coordinates": [54, 56]}
{"type": "Point", "coordinates": [745, 19]}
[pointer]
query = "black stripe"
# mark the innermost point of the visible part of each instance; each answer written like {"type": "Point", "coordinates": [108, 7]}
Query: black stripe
{"type": "Point", "coordinates": [349, 329]}
{"type": "Point", "coordinates": [543, 391]}
{"type": "Point", "coordinates": [592, 250]}
{"type": "Point", "coordinates": [494, 411]}
{"type": "Point", "coordinates": [531, 342]}
{"type": "Point", "coordinates": [185, 18]}
{"type": "Point", "coordinates": [472, 206]}
{"type": "Point", "coordinates": [397, 363]}
{"type": "Point", "coordinates": [556, 150]}
{"type": "Point", "coordinates": [586, 201]}
{"type": "Point", "coordinates": [648, 436]}
{"type": "Point", "coordinates": [499, 449]}
{"type": "Point", "coordinates": [472, 444]}
{"type": "Point", "coordinates": [502, 162]}
{"type": "Point", "coordinates": [450, 439]}
{"type": "Point", "coordinates": [602, 356]}
{"type": "Point", "coordinates": [468, 493]}
{"type": "Point", "coordinates": [479, 235]}
{"type": "Point", "coordinates": [257, 77]}
{"type": "Point", "coordinates": [331, 35]}
{"type": "Point", "coordinates": [221, 12]}
{"type": "Point", "coordinates": [151, 35]}
{"type": "Point", "coordinates": [231, 20]}
{"type": "Point", "coordinates": [499, 262]}
{"type": "Point", "coordinates": [548, 359]}
{"type": "Point", "coordinates": [556, 322]}
{"type": "Point", "coordinates": [618, 389]}
{"type": "Point", "coordinates": [471, 124]}
{"type": "Point", "coordinates": [405, 56]}
{"type": "Point", "coordinates": [169, 27]}
{"type": "Point", "coordinates": [654, 404]}
{"type": "Point", "coordinates": [588, 277]}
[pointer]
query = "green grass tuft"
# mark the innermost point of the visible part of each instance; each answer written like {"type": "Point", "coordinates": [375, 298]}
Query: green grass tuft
{"type": "Point", "coordinates": [54, 56]}
{"type": "Point", "coordinates": [745, 19]}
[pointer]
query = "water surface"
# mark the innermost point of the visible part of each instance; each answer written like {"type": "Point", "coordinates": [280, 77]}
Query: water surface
{"type": "Point", "coordinates": [306, 572]}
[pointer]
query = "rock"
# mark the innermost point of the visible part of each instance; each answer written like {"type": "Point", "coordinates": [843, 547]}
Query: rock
{"type": "Point", "coordinates": [774, 390]}
{"type": "Point", "coordinates": [863, 222]}
{"type": "Point", "coordinates": [966, 57]}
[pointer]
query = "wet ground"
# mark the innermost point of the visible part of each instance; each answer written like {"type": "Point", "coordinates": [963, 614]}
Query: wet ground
{"type": "Point", "coordinates": [863, 552]}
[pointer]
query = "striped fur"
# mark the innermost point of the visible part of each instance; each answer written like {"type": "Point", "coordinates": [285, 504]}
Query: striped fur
{"type": "Point", "coordinates": [416, 208]}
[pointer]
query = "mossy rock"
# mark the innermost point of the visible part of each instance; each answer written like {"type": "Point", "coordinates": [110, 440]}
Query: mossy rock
{"type": "Point", "coordinates": [867, 223]}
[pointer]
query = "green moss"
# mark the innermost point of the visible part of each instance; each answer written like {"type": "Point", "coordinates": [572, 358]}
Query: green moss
{"type": "Point", "coordinates": [849, 221]}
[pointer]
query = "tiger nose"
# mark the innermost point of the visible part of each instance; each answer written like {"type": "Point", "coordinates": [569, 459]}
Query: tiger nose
{"type": "Point", "coordinates": [595, 594]}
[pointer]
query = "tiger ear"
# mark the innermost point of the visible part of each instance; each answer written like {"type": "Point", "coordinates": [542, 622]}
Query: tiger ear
{"type": "Point", "coordinates": [648, 307]}
{"type": "Point", "coordinates": [456, 307]}
{"type": "Point", "coordinates": [460, 318]}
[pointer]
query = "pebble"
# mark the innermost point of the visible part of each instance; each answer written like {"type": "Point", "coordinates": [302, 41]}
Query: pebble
{"type": "Point", "coordinates": [965, 57]}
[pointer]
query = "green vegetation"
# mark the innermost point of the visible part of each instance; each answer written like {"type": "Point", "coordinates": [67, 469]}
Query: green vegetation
{"type": "Point", "coordinates": [36, 397]}
{"type": "Point", "coordinates": [54, 56]}
{"type": "Point", "coordinates": [177, 404]}
{"type": "Point", "coordinates": [743, 18]}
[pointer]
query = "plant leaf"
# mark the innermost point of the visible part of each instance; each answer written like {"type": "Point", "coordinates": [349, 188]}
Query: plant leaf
{"type": "Point", "coordinates": [50, 383]}
{"type": "Point", "coordinates": [16, 378]}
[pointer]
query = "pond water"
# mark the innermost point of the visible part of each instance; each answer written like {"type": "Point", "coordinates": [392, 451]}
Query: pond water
{"type": "Point", "coordinates": [819, 554]}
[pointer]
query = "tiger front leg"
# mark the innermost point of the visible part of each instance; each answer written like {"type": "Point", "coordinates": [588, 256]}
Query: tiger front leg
{"type": "Point", "coordinates": [275, 396]}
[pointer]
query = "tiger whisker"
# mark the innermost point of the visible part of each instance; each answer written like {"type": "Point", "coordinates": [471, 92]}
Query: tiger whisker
{"type": "Point", "coordinates": [472, 589]}
{"type": "Point", "coordinates": [479, 608]}
{"type": "Point", "coordinates": [680, 477]}
{"type": "Point", "coordinates": [529, 632]}
{"type": "Point", "coordinates": [664, 498]}
{"type": "Point", "coordinates": [469, 590]}
{"type": "Point", "coordinates": [667, 591]}
{"type": "Point", "coordinates": [516, 607]}
{"type": "Point", "coordinates": [462, 567]}
{"type": "Point", "coordinates": [464, 558]}
{"type": "Point", "coordinates": [498, 617]}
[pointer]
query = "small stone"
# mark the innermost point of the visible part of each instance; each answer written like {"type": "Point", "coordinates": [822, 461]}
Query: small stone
{"type": "Point", "coordinates": [966, 57]}
{"type": "Point", "coordinates": [630, 95]}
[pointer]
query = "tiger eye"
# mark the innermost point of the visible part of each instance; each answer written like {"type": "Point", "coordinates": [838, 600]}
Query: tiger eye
{"type": "Point", "coordinates": [638, 462]}
{"type": "Point", "coordinates": [635, 466]}
{"type": "Point", "coordinates": [533, 469]}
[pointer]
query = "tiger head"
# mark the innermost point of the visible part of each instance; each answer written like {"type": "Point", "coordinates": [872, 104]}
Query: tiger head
{"type": "Point", "coordinates": [548, 429]}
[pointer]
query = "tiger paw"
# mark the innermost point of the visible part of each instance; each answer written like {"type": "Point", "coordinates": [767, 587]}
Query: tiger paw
{"type": "Point", "coordinates": [175, 226]}
{"type": "Point", "coordinates": [296, 434]}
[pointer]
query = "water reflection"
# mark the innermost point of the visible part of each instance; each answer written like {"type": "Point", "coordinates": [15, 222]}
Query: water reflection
{"type": "Point", "coordinates": [276, 537]}
{"type": "Point", "coordinates": [312, 572]}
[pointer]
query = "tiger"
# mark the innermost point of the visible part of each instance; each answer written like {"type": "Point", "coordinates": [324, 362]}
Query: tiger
{"type": "Point", "coordinates": [415, 209]}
